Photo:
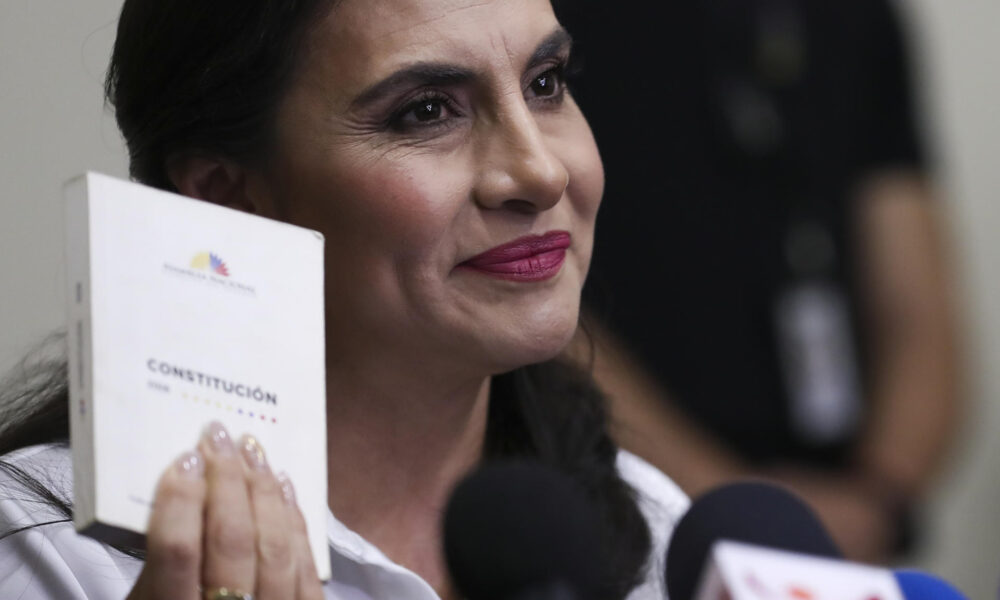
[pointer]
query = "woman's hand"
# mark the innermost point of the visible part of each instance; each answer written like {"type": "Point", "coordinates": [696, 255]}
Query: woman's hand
{"type": "Point", "coordinates": [222, 519]}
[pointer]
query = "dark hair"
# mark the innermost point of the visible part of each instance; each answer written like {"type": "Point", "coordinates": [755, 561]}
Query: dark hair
{"type": "Point", "coordinates": [553, 412]}
{"type": "Point", "coordinates": [195, 77]}
{"type": "Point", "coordinates": [34, 409]}
{"type": "Point", "coordinates": [189, 76]}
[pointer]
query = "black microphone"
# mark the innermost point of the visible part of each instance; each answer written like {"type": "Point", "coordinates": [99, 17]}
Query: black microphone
{"type": "Point", "coordinates": [522, 531]}
{"type": "Point", "coordinates": [751, 512]}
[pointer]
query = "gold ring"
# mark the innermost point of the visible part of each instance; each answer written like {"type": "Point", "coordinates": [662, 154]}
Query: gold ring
{"type": "Point", "coordinates": [223, 593]}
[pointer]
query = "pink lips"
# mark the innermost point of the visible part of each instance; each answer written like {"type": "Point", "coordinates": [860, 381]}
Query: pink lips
{"type": "Point", "coordinates": [530, 258]}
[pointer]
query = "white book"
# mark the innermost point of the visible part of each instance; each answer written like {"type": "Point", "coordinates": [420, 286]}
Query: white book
{"type": "Point", "coordinates": [182, 312]}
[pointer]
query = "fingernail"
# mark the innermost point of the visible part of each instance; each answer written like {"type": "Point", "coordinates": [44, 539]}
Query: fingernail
{"type": "Point", "coordinates": [191, 465]}
{"type": "Point", "coordinates": [287, 491]}
{"type": "Point", "coordinates": [219, 438]}
{"type": "Point", "coordinates": [253, 454]}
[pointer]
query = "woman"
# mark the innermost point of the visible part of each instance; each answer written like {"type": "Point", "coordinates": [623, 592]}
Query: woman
{"type": "Point", "coordinates": [435, 145]}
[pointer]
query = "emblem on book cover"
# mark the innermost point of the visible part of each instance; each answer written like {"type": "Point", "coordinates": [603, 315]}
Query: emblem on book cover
{"type": "Point", "coordinates": [211, 262]}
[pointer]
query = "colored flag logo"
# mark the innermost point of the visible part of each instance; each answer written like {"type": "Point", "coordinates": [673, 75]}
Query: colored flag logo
{"type": "Point", "coordinates": [211, 262]}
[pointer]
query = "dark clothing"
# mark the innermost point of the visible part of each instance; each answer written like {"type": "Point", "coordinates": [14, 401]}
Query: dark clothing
{"type": "Point", "coordinates": [722, 125]}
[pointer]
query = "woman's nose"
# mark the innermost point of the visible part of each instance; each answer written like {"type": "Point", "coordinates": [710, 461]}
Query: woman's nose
{"type": "Point", "coordinates": [519, 169]}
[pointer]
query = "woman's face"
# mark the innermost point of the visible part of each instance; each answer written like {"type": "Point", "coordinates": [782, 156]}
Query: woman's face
{"type": "Point", "coordinates": [422, 138]}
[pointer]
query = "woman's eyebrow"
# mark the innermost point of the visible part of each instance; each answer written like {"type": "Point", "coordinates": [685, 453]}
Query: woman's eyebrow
{"type": "Point", "coordinates": [424, 74]}
{"type": "Point", "coordinates": [431, 74]}
{"type": "Point", "coordinates": [556, 43]}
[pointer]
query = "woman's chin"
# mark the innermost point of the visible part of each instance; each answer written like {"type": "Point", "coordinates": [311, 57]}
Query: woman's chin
{"type": "Point", "coordinates": [533, 345]}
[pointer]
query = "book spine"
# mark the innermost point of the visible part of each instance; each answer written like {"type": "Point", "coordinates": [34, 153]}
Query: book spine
{"type": "Point", "coordinates": [80, 340]}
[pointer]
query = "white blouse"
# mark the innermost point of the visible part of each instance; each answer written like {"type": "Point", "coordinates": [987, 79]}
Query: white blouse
{"type": "Point", "coordinates": [54, 562]}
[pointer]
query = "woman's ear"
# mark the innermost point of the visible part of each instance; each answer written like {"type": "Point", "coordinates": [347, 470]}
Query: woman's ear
{"type": "Point", "coordinates": [215, 180]}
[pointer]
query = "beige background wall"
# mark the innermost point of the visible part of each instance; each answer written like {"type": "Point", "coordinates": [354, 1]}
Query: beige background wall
{"type": "Point", "coordinates": [961, 56]}
{"type": "Point", "coordinates": [53, 126]}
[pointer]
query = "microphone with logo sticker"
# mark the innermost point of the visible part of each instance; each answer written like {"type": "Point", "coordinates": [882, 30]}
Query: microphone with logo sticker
{"type": "Point", "coordinates": [754, 540]}
{"type": "Point", "coordinates": [751, 512]}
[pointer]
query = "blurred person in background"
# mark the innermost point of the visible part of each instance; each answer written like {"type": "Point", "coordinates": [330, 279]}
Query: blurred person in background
{"type": "Point", "coordinates": [770, 291]}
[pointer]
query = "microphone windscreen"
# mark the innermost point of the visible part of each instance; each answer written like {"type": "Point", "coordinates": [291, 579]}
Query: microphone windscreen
{"type": "Point", "coordinates": [521, 530]}
{"type": "Point", "coordinates": [921, 586]}
{"type": "Point", "coordinates": [750, 512]}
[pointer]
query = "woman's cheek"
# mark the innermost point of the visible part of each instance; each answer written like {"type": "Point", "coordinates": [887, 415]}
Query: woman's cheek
{"type": "Point", "coordinates": [586, 171]}
{"type": "Point", "coordinates": [590, 187]}
{"type": "Point", "coordinates": [406, 205]}
{"type": "Point", "coordinates": [585, 191]}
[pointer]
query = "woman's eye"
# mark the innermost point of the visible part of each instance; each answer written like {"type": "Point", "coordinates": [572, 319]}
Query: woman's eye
{"type": "Point", "coordinates": [424, 112]}
{"type": "Point", "coordinates": [547, 84]}
{"type": "Point", "coordinates": [428, 110]}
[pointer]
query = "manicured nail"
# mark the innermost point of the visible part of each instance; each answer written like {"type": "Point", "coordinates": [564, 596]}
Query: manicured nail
{"type": "Point", "coordinates": [253, 454]}
{"type": "Point", "coordinates": [219, 438]}
{"type": "Point", "coordinates": [191, 465]}
{"type": "Point", "coordinates": [287, 491]}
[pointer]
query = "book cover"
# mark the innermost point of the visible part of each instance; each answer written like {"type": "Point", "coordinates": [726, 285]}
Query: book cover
{"type": "Point", "coordinates": [182, 312]}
